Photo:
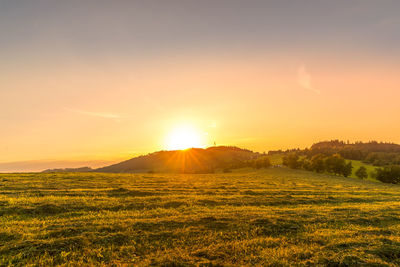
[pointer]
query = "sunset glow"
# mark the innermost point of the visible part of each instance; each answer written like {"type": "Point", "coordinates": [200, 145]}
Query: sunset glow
{"type": "Point", "coordinates": [183, 138]}
{"type": "Point", "coordinates": [273, 75]}
{"type": "Point", "coordinates": [173, 132]}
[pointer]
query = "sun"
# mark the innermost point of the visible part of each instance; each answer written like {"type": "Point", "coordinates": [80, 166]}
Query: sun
{"type": "Point", "coordinates": [184, 137]}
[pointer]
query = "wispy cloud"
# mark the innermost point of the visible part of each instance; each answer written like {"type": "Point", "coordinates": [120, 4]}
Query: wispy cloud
{"type": "Point", "coordinates": [304, 79]}
{"type": "Point", "coordinates": [104, 115]}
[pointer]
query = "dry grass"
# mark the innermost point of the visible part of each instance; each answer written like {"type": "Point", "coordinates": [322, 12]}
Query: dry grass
{"type": "Point", "coordinates": [270, 217]}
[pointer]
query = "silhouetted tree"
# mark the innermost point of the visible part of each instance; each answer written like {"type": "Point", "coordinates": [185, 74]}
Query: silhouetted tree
{"type": "Point", "coordinates": [347, 169]}
{"type": "Point", "coordinates": [317, 163]}
{"type": "Point", "coordinates": [389, 174]}
{"type": "Point", "coordinates": [335, 164]}
{"type": "Point", "coordinates": [306, 164]}
{"type": "Point", "coordinates": [362, 173]}
{"type": "Point", "coordinates": [262, 162]}
{"type": "Point", "coordinates": [292, 161]}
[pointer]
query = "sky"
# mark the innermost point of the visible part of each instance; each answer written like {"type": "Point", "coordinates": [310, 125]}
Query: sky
{"type": "Point", "coordinates": [94, 82]}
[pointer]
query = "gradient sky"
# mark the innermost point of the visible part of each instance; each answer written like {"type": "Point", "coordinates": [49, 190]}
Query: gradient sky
{"type": "Point", "coordinates": [91, 82]}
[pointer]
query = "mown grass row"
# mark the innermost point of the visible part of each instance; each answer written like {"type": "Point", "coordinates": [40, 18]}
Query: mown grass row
{"type": "Point", "coordinates": [276, 216]}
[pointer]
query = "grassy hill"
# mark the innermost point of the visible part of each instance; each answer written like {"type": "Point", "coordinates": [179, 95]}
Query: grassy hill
{"type": "Point", "coordinates": [276, 159]}
{"type": "Point", "coordinates": [193, 160]}
{"type": "Point", "coordinates": [357, 164]}
{"type": "Point", "coordinates": [275, 216]}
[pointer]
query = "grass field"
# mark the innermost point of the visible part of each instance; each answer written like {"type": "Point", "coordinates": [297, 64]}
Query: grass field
{"type": "Point", "coordinates": [268, 217]}
{"type": "Point", "coordinates": [276, 159]}
{"type": "Point", "coordinates": [370, 168]}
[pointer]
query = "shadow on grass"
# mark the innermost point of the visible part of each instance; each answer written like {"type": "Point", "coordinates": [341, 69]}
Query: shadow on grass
{"type": "Point", "coordinates": [33, 248]}
{"type": "Point", "coordinates": [7, 237]}
{"type": "Point", "coordinates": [268, 227]}
{"type": "Point", "coordinates": [210, 223]}
{"type": "Point", "coordinates": [123, 192]}
{"type": "Point", "coordinates": [389, 251]}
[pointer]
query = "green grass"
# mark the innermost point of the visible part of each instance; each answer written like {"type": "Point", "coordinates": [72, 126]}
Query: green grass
{"type": "Point", "coordinates": [357, 164]}
{"type": "Point", "coordinates": [275, 217]}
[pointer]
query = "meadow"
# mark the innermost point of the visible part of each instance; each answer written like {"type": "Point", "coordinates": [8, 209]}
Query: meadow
{"type": "Point", "coordinates": [275, 216]}
{"type": "Point", "coordinates": [370, 169]}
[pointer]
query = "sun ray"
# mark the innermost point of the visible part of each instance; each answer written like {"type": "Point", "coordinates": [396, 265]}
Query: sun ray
{"type": "Point", "coordinates": [184, 137]}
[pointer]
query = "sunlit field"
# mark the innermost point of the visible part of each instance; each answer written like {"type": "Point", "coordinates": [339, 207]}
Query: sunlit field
{"type": "Point", "coordinates": [370, 169]}
{"type": "Point", "coordinates": [276, 216]}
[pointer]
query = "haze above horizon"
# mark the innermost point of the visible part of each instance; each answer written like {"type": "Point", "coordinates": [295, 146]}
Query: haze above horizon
{"type": "Point", "coordinates": [101, 81]}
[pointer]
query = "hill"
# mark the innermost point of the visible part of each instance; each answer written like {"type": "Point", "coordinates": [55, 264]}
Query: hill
{"type": "Point", "coordinates": [270, 217]}
{"type": "Point", "coordinates": [81, 169]}
{"type": "Point", "coordinates": [375, 153]}
{"type": "Point", "coordinates": [371, 153]}
{"type": "Point", "coordinates": [193, 160]}
{"type": "Point", "coordinates": [372, 146]}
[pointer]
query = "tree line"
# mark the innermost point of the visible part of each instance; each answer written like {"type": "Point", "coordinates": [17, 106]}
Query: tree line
{"type": "Point", "coordinates": [330, 156]}
{"type": "Point", "coordinates": [389, 174]}
{"type": "Point", "coordinates": [373, 152]}
{"type": "Point", "coordinates": [334, 164]}
{"type": "Point", "coordinates": [256, 163]}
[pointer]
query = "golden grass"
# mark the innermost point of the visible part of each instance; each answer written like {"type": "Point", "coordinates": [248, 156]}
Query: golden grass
{"type": "Point", "coordinates": [268, 217]}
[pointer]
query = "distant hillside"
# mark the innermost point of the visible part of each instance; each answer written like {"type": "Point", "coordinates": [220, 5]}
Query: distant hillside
{"type": "Point", "coordinates": [82, 169]}
{"type": "Point", "coordinates": [373, 146]}
{"type": "Point", "coordinates": [194, 160]}
{"type": "Point", "coordinates": [376, 153]}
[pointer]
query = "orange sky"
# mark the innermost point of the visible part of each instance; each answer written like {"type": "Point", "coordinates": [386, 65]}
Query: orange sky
{"type": "Point", "coordinates": [93, 94]}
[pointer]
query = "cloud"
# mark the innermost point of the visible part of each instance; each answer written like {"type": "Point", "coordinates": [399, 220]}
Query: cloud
{"type": "Point", "coordinates": [95, 114]}
{"type": "Point", "coordinates": [304, 79]}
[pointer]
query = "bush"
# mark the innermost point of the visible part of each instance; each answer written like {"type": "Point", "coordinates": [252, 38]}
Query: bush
{"type": "Point", "coordinates": [317, 163]}
{"type": "Point", "coordinates": [390, 174]}
{"type": "Point", "coordinates": [262, 162]}
{"type": "Point", "coordinates": [362, 173]}
{"type": "Point", "coordinates": [227, 170]}
{"type": "Point", "coordinates": [347, 169]}
{"type": "Point", "coordinates": [337, 165]}
{"type": "Point", "coordinates": [292, 161]}
{"type": "Point", "coordinates": [307, 165]}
